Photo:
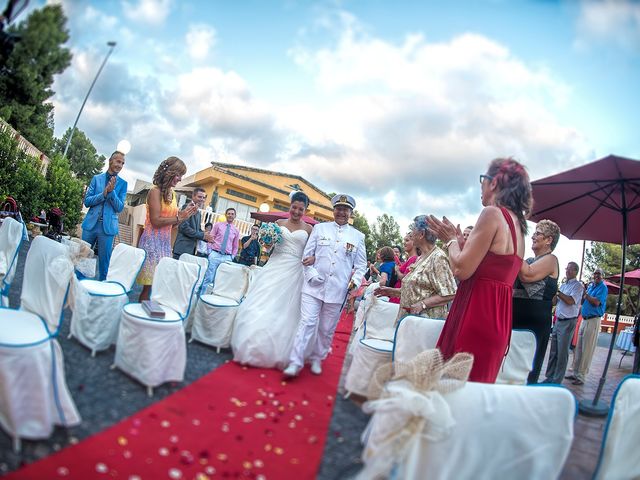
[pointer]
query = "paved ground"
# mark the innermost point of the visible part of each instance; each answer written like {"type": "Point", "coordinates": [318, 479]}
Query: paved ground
{"type": "Point", "coordinates": [105, 396]}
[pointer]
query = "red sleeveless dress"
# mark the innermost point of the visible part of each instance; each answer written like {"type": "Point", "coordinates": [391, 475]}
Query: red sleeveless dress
{"type": "Point", "coordinates": [479, 321]}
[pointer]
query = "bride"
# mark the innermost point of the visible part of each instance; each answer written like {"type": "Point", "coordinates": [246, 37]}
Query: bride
{"type": "Point", "coordinates": [268, 317]}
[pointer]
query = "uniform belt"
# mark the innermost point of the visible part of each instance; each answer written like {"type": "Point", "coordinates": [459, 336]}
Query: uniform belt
{"type": "Point", "coordinates": [567, 318]}
{"type": "Point", "coordinates": [221, 253]}
{"type": "Point", "coordinates": [591, 316]}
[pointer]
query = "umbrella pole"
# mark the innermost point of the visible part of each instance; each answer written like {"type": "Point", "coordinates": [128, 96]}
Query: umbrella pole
{"type": "Point", "coordinates": [596, 408]}
{"type": "Point", "coordinates": [584, 246]}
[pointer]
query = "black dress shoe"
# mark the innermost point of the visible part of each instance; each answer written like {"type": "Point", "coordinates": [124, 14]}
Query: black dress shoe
{"type": "Point", "coordinates": [577, 382]}
{"type": "Point", "coordinates": [570, 377]}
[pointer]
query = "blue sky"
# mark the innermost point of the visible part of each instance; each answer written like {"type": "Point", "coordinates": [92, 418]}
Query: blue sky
{"type": "Point", "coordinates": [400, 103]}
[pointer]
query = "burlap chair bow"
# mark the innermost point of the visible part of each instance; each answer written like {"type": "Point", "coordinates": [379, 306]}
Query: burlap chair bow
{"type": "Point", "coordinates": [410, 404]}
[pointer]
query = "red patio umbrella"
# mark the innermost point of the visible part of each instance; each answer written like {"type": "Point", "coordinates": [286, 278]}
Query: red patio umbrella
{"type": "Point", "coordinates": [599, 201]}
{"type": "Point", "coordinates": [630, 278]}
{"type": "Point", "coordinates": [612, 287]}
{"type": "Point", "coordinates": [273, 216]}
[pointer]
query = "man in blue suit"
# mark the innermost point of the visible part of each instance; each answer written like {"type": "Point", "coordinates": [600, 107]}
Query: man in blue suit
{"type": "Point", "coordinates": [105, 200]}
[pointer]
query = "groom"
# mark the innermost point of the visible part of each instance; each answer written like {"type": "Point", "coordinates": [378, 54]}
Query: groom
{"type": "Point", "coordinates": [334, 254]}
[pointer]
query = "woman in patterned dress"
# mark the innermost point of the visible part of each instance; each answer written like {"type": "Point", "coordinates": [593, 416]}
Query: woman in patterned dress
{"type": "Point", "coordinates": [162, 215]}
{"type": "Point", "coordinates": [429, 286]}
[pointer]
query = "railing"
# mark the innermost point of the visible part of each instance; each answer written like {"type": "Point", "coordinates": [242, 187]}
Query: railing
{"type": "Point", "coordinates": [242, 225]}
{"type": "Point", "coordinates": [609, 320]}
{"type": "Point", "coordinates": [25, 145]}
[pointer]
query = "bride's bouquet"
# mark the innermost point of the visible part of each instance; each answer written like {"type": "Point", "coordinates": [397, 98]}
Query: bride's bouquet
{"type": "Point", "coordinates": [269, 234]}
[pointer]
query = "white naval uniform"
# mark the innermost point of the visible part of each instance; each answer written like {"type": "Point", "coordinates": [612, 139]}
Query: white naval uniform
{"type": "Point", "coordinates": [339, 252]}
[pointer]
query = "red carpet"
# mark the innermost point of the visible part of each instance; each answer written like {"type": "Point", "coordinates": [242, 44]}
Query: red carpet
{"type": "Point", "coordinates": [235, 422]}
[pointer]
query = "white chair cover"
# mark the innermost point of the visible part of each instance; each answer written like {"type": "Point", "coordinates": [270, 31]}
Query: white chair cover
{"type": "Point", "coordinates": [33, 392]}
{"type": "Point", "coordinates": [519, 360]}
{"type": "Point", "coordinates": [11, 235]}
{"type": "Point", "coordinates": [97, 306]}
{"type": "Point", "coordinates": [367, 297]}
{"type": "Point", "coordinates": [619, 459]}
{"type": "Point", "coordinates": [374, 347]}
{"type": "Point", "coordinates": [203, 262]}
{"type": "Point", "coordinates": [414, 335]}
{"type": "Point", "coordinates": [153, 350]}
{"type": "Point", "coordinates": [216, 312]}
{"type": "Point", "coordinates": [498, 431]}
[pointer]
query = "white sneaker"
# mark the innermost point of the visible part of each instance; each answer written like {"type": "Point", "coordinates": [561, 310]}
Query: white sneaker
{"type": "Point", "coordinates": [292, 370]}
{"type": "Point", "coordinates": [316, 367]}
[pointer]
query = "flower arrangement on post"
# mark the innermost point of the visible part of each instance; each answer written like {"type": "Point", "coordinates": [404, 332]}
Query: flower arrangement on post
{"type": "Point", "coordinates": [268, 235]}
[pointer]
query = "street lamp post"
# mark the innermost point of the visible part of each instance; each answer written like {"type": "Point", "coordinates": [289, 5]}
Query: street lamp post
{"type": "Point", "coordinates": [111, 46]}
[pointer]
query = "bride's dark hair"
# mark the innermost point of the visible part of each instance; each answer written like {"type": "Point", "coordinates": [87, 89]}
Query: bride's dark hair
{"type": "Point", "coordinates": [300, 197]}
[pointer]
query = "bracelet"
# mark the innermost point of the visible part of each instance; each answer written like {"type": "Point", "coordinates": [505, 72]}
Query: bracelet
{"type": "Point", "coordinates": [177, 219]}
{"type": "Point", "coordinates": [450, 242]}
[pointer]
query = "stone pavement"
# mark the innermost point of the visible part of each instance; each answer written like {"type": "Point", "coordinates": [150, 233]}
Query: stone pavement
{"type": "Point", "coordinates": [588, 431]}
{"type": "Point", "coordinates": [105, 396]}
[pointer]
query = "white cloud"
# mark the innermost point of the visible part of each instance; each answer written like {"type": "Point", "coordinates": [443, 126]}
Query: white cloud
{"type": "Point", "coordinates": [93, 16]}
{"type": "Point", "coordinates": [200, 39]}
{"type": "Point", "coordinates": [152, 12]}
{"type": "Point", "coordinates": [404, 126]}
{"type": "Point", "coordinates": [424, 118]}
{"type": "Point", "coordinates": [609, 21]}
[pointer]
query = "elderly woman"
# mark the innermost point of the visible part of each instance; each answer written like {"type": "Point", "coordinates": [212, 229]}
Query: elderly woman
{"type": "Point", "coordinates": [429, 286]}
{"type": "Point", "coordinates": [534, 290]}
{"type": "Point", "coordinates": [487, 264]}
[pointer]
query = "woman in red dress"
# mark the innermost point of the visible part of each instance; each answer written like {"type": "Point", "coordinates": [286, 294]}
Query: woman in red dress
{"type": "Point", "coordinates": [487, 264]}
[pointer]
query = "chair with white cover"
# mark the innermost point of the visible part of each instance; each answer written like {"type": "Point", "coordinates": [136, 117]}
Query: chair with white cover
{"type": "Point", "coordinates": [97, 306]}
{"type": "Point", "coordinates": [358, 318]}
{"type": "Point", "coordinates": [11, 235]}
{"type": "Point", "coordinates": [619, 457]}
{"type": "Point", "coordinates": [519, 360]}
{"type": "Point", "coordinates": [216, 312]}
{"type": "Point", "coordinates": [154, 350]}
{"type": "Point", "coordinates": [374, 347]}
{"type": "Point", "coordinates": [203, 262]}
{"type": "Point", "coordinates": [480, 431]}
{"type": "Point", "coordinates": [33, 391]}
{"type": "Point", "coordinates": [414, 335]}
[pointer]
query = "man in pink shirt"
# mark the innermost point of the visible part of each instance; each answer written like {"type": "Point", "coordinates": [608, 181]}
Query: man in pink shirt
{"type": "Point", "coordinates": [225, 247]}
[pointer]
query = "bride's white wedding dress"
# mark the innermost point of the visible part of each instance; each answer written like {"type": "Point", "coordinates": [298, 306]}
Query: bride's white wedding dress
{"type": "Point", "coordinates": [268, 317]}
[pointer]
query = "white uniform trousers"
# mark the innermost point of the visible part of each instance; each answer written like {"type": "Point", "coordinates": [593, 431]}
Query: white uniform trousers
{"type": "Point", "coordinates": [314, 314]}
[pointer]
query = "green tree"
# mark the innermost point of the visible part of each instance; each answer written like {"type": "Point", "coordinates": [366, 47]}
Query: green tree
{"type": "Point", "coordinates": [608, 256]}
{"type": "Point", "coordinates": [27, 76]}
{"type": "Point", "coordinates": [21, 177]}
{"type": "Point", "coordinates": [360, 223]}
{"type": "Point", "coordinates": [64, 191]}
{"type": "Point", "coordinates": [386, 232]}
{"type": "Point", "coordinates": [83, 157]}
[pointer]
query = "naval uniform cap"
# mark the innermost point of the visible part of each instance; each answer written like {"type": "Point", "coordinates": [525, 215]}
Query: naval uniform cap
{"type": "Point", "coordinates": [343, 199]}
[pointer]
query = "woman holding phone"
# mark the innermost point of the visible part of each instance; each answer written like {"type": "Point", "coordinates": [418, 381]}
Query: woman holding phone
{"type": "Point", "coordinates": [162, 216]}
{"type": "Point", "coordinates": [429, 287]}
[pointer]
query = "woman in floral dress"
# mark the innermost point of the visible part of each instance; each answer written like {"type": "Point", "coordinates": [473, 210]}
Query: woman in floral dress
{"type": "Point", "coordinates": [162, 215]}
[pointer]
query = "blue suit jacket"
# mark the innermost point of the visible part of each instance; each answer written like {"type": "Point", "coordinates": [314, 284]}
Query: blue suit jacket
{"type": "Point", "coordinates": [110, 206]}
